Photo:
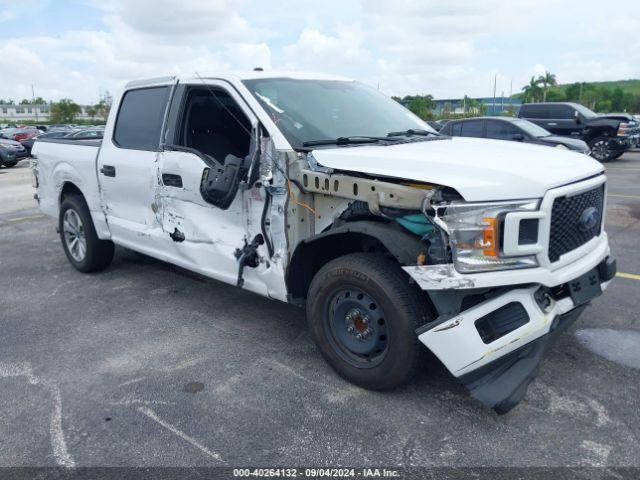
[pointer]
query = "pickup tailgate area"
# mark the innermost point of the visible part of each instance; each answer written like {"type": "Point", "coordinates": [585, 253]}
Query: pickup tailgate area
{"type": "Point", "coordinates": [62, 164]}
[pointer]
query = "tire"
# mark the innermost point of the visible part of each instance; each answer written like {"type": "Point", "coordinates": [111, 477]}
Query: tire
{"type": "Point", "coordinates": [601, 149]}
{"type": "Point", "coordinates": [10, 164]}
{"type": "Point", "coordinates": [368, 295]}
{"type": "Point", "coordinates": [88, 253]}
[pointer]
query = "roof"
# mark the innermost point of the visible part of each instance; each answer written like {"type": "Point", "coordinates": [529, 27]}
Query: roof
{"type": "Point", "coordinates": [237, 75]}
{"type": "Point", "coordinates": [506, 119]}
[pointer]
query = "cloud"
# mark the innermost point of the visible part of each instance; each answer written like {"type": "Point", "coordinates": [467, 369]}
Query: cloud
{"type": "Point", "coordinates": [407, 46]}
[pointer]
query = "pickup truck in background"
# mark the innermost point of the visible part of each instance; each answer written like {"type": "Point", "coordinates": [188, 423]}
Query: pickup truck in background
{"type": "Point", "coordinates": [322, 192]}
{"type": "Point", "coordinates": [608, 136]}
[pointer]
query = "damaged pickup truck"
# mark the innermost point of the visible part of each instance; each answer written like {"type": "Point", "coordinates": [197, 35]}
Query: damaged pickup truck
{"type": "Point", "coordinates": [322, 192]}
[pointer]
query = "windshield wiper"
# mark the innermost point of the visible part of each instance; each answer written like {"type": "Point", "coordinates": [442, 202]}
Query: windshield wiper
{"type": "Point", "coordinates": [344, 141]}
{"type": "Point", "coordinates": [411, 132]}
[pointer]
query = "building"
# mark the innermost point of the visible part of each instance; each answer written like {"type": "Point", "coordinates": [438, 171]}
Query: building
{"type": "Point", "coordinates": [35, 113]}
{"type": "Point", "coordinates": [457, 105]}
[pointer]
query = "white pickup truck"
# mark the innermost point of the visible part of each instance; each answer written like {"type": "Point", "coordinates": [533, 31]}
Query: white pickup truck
{"type": "Point", "coordinates": [322, 192]}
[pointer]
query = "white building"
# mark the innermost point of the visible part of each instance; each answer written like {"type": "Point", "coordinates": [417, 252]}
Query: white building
{"type": "Point", "coordinates": [36, 113]}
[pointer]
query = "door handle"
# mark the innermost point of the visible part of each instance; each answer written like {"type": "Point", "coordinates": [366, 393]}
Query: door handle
{"type": "Point", "coordinates": [172, 180]}
{"type": "Point", "coordinates": [108, 171]}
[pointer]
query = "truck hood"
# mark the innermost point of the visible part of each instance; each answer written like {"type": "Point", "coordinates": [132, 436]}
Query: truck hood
{"type": "Point", "coordinates": [479, 169]}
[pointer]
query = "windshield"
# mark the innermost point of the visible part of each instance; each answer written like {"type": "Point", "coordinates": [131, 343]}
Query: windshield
{"type": "Point", "coordinates": [309, 110]}
{"type": "Point", "coordinates": [531, 128]}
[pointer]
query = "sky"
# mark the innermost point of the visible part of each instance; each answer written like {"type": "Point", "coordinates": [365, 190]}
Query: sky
{"type": "Point", "coordinates": [80, 48]}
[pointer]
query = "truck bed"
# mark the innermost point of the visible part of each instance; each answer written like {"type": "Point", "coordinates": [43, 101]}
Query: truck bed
{"type": "Point", "coordinates": [59, 161]}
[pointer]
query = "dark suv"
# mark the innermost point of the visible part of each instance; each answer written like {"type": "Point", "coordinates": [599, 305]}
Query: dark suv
{"type": "Point", "coordinates": [608, 136]}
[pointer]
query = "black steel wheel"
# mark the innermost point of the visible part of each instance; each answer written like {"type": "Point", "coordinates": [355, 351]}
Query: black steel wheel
{"type": "Point", "coordinates": [362, 313]}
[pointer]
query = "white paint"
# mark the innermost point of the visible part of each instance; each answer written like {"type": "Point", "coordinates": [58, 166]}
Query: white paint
{"type": "Point", "coordinates": [153, 416]}
{"type": "Point", "coordinates": [58, 443]}
{"type": "Point", "coordinates": [480, 170]}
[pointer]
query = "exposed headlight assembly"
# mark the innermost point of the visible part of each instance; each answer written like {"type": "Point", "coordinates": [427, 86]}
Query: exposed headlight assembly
{"type": "Point", "coordinates": [476, 232]}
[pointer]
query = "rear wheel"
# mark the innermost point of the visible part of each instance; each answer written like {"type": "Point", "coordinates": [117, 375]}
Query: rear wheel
{"type": "Point", "coordinates": [601, 149]}
{"type": "Point", "coordinates": [84, 250]}
{"type": "Point", "coordinates": [362, 313]}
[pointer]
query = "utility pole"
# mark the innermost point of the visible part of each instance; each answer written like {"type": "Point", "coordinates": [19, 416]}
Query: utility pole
{"type": "Point", "coordinates": [33, 99]}
{"type": "Point", "coordinates": [495, 83]}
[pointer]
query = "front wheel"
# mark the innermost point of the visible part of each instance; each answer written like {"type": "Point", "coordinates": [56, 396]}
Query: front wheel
{"type": "Point", "coordinates": [601, 149]}
{"type": "Point", "coordinates": [10, 164]}
{"type": "Point", "coordinates": [84, 250]}
{"type": "Point", "coordinates": [362, 313]}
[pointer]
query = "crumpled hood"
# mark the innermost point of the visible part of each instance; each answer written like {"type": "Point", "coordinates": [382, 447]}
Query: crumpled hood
{"type": "Point", "coordinates": [479, 169]}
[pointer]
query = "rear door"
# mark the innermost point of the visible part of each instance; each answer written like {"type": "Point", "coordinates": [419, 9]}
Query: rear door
{"type": "Point", "coordinates": [562, 120]}
{"type": "Point", "coordinates": [127, 167]}
{"type": "Point", "coordinates": [537, 113]}
{"type": "Point", "coordinates": [472, 128]}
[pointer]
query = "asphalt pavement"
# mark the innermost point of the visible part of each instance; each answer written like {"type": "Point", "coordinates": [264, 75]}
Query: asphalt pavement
{"type": "Point", "coordinates": [146, 364]}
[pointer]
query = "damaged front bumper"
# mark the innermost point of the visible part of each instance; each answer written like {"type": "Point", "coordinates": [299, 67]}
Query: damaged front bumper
{"type": "Point", "coordinates": [495, 347]}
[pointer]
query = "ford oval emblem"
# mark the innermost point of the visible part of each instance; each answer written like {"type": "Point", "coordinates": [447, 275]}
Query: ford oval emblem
{"type": "Point", "coordinates": [589, 219]}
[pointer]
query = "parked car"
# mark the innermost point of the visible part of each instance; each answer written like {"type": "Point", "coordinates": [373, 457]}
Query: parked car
{"type": "Point", "coordinates": [88, 134]}
{"type": "Point", "coordinates": [20, 151]}
{"type": "Point", "coordinates": [19, 133]}
{"type": "Point", "coordinates": [514, 129]}
{"type": "Point", "coordinates": [327, 194]}
{"type": "Point", "coordinates": [28, 143]}
{"type": "Point", "coordinates": [608, 136]}
{"type": "Point", "coordinates": [7, 157]}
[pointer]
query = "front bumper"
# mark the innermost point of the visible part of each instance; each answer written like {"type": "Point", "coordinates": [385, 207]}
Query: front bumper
{"type": "Point", "coordinates": [498, 371]}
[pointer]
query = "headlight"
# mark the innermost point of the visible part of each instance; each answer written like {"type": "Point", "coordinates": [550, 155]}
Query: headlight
{"type": "Point", "coordinates": [475, 233]}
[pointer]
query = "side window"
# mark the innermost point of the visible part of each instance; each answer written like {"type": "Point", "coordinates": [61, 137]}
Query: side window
{"type": "Point", "coordinates": [472, 128]}
{"type": "Point", "coordinates": [140, 118]}
{"type": "Point", "coordinates": [456, 129]}
{"type": "Point", "coordinates": [534, 111]}
{"type": "Point", "coordinates": [560, 112]}
{"type": "Point", "coordinates": [214, 124]}
{"type": "Point", "coordinates": [500, 130]}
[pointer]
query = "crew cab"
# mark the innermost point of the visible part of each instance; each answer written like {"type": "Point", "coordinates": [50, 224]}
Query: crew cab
{"type": "Point", "coordinates": [608, 136]}
{"type": "Point", "coordinates": [322, 192]}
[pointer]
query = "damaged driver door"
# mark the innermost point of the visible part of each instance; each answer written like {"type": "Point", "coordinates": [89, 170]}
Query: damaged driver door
{"type": "Point", "coordinates": [209, 209]}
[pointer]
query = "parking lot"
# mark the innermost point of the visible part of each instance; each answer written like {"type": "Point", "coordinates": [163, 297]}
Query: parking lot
{"type": "Point", "coordinates": [147, 364]}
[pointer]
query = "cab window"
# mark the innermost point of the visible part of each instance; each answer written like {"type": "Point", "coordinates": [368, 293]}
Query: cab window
{"type": "Point", "coordinates": [214, 124]}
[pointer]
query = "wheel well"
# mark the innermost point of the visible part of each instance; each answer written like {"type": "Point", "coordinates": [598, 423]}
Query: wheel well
{"type": "Point", "coordinates": [309, 257]}
{"type": "Point", "coordinates": [69, 189]}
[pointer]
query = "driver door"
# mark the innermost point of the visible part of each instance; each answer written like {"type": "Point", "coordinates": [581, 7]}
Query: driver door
{"type": "Point", "coordinates": [214, 122]}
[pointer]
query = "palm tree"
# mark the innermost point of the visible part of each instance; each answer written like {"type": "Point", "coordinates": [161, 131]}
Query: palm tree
{"type": "Point", "coordinates": [547, 80]}
{"type": "Point", "coordinates": [532, 91]}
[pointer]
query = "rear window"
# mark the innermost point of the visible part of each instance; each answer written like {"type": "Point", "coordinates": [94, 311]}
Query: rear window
{"type": "Point", "coordinates": [534, 111]}
{"type": "Point", "coordinates": [140, 118]}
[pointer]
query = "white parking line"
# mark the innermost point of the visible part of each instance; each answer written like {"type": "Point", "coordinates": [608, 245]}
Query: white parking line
{"type": "Point", "coordinates": [153, 416]}
{"type": "Point", "coordinates": [58, 443]}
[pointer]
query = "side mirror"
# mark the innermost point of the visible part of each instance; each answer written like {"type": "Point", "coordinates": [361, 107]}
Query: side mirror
{"type": "Point", "coordinates": [518, 137]}
{"type": "Point", "coordinates": [220, 182]}
{"type": "Point", "coordinates": [577, 118]}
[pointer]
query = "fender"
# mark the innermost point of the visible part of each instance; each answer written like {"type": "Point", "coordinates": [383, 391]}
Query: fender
{"type": "Point", "coordinates": [401, 244]}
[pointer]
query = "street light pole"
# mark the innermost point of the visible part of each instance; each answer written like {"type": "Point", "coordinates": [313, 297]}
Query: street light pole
{"type": "Point", "coordinates": [33, 99]}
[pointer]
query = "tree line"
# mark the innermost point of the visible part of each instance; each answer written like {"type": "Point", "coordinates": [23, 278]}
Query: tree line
{"type": "Point", "coordinates": [598, 98]}
{"type": "Point", "coordinates": [66, 110]}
